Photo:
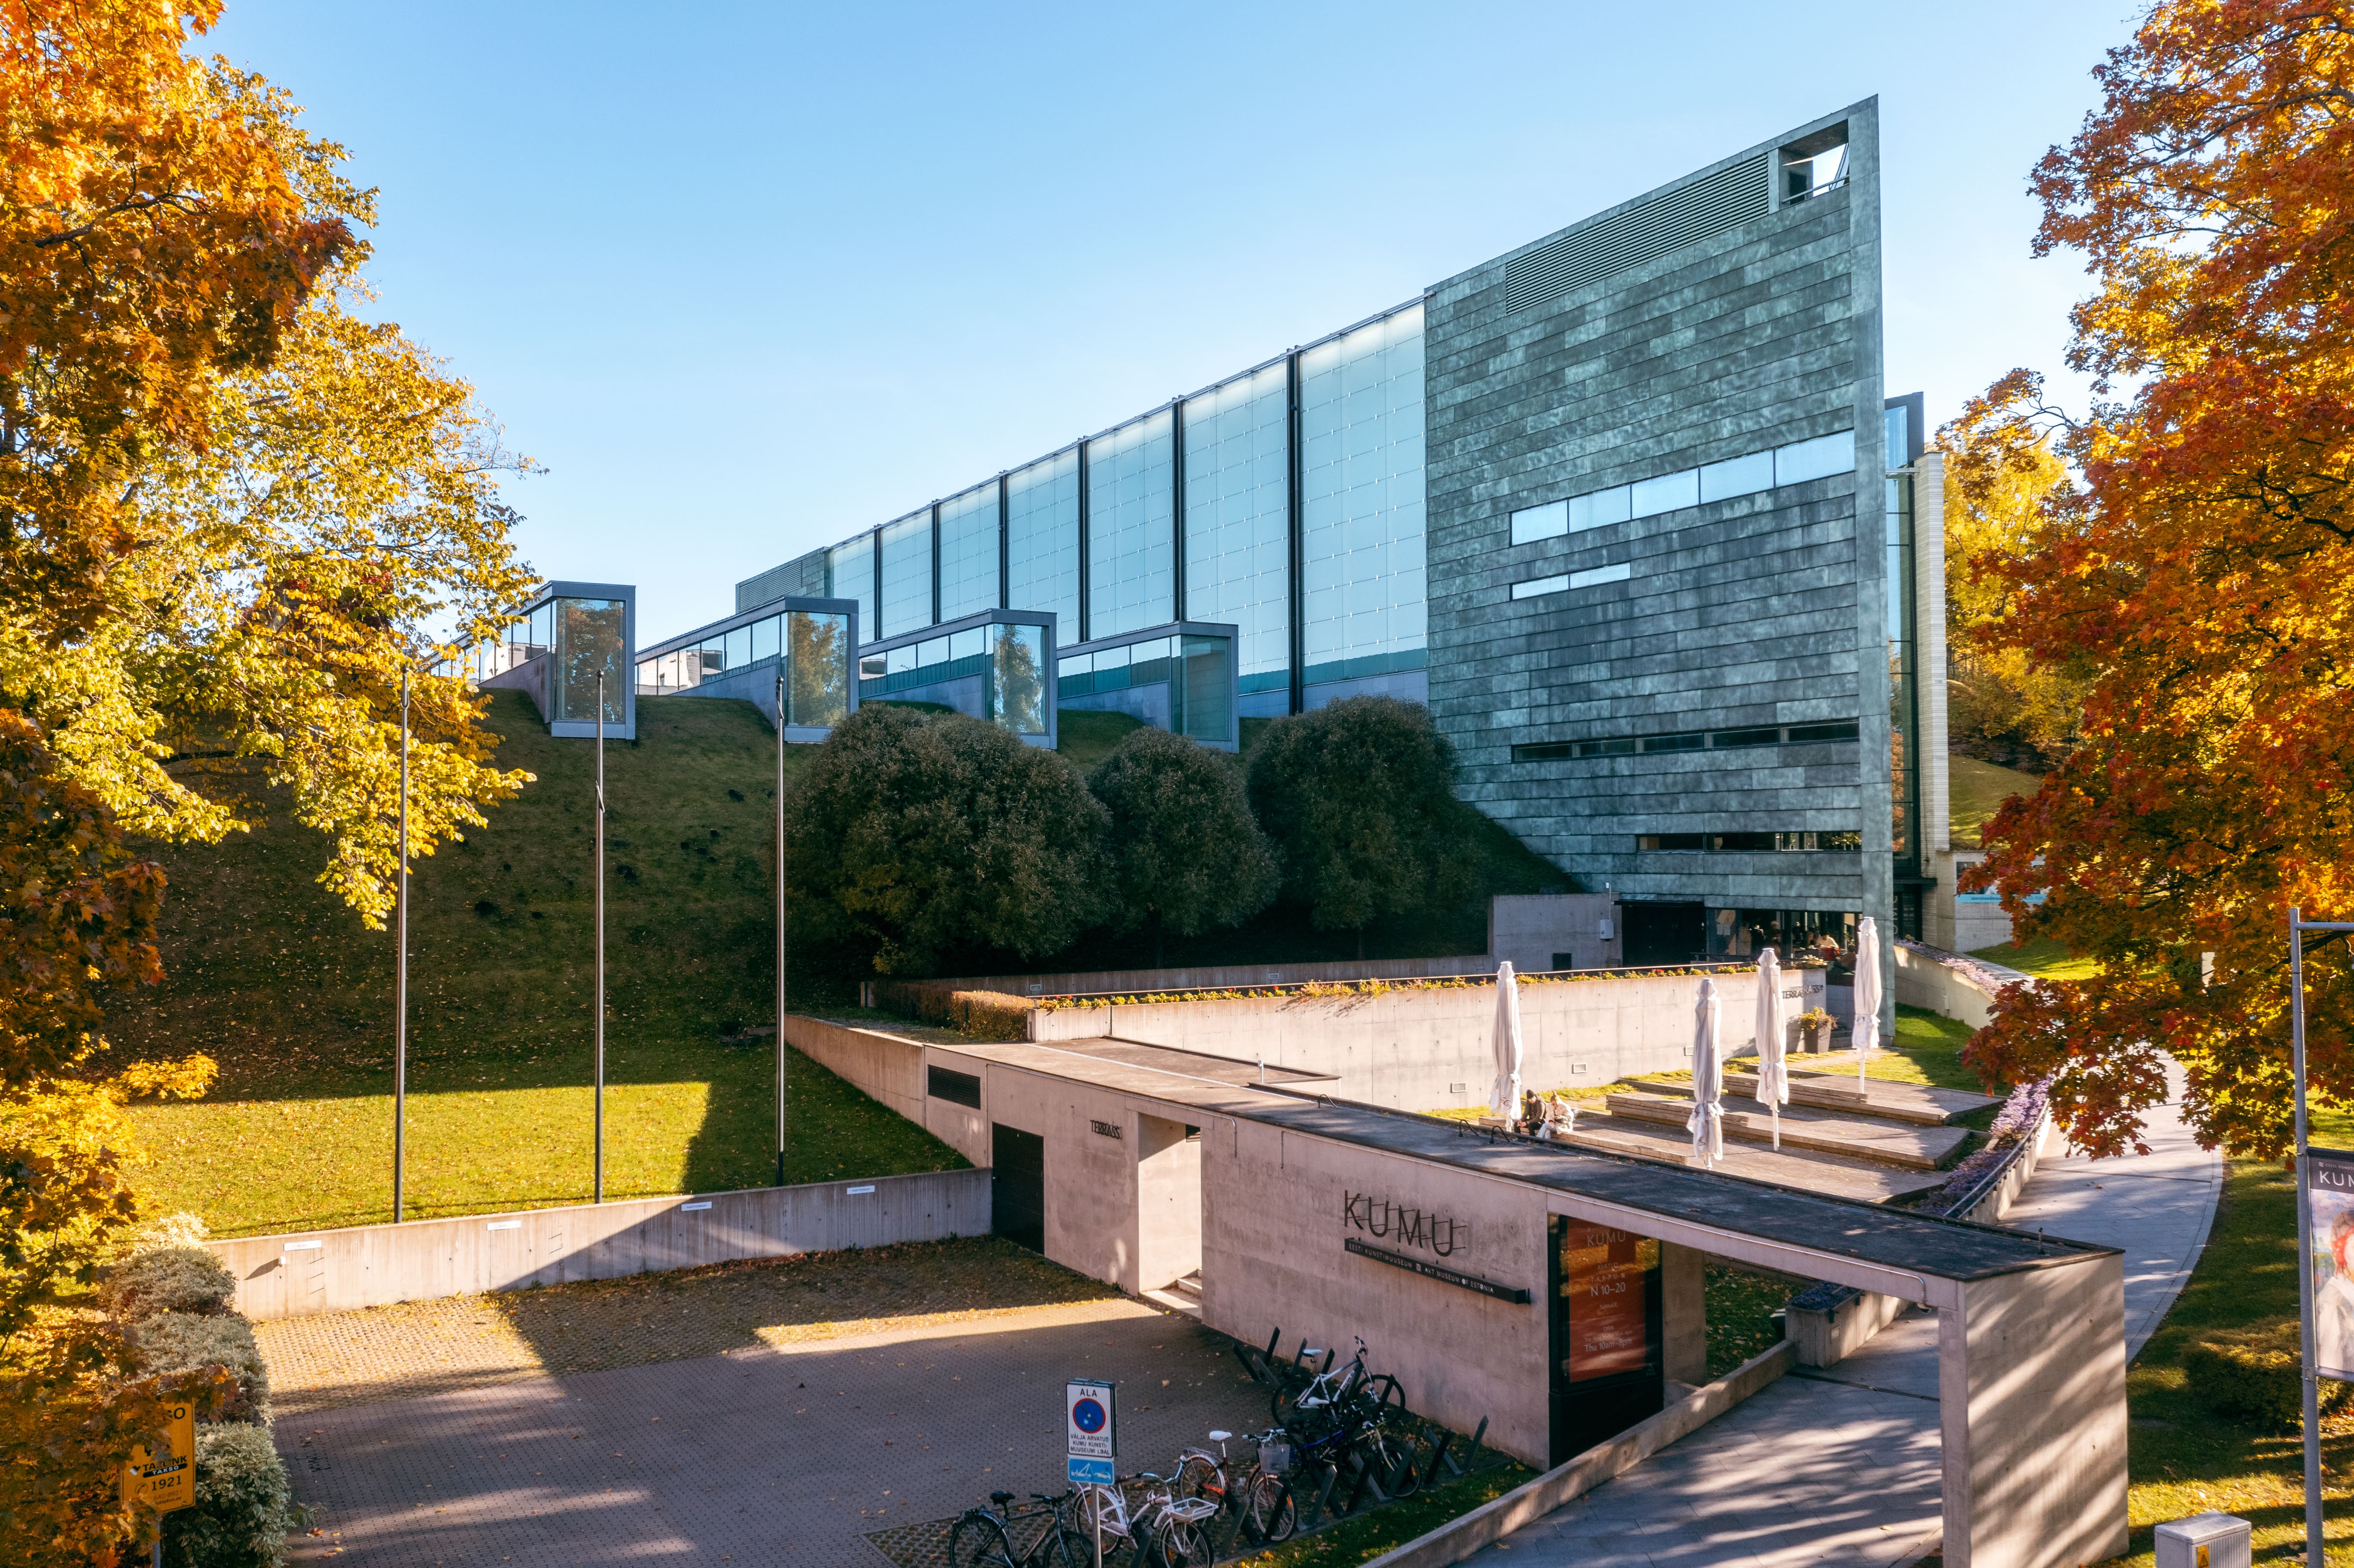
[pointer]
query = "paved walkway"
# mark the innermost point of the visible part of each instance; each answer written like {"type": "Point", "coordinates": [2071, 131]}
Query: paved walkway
{"type": "Point", "coordinates": [1840, 1465]}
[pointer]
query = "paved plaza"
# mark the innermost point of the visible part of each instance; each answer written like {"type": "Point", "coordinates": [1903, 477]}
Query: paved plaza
{"type": "Point", "coordinates": [786, 1447]}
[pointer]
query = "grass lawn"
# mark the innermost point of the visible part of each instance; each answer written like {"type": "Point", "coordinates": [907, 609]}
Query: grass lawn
{"type": "Point", "coordinates": [272, 977]}
{"type": "Point", "coordinates": [1367, 1536]}
{"type": "Point", "coordinates": [1978, 789]}
{"type": "Point", "coordinates": [2183, 1459]}
{"type": "Point", "coordinates": [2042, 958]}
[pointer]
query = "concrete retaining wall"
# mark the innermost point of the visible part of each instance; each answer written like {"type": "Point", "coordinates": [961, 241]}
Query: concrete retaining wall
{"type": "Point", "coordinates": [1433, 1049]}
{"type": "Point", "coordinates": [295, 1274]}
{"type": "Point", "coordinates": [1925, 979]}
{"type": "Point", "coordinates": [1219, 976]}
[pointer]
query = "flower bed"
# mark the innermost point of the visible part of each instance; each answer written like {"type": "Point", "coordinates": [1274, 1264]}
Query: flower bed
{"type": "Point", "coordinates": [2014, 1125]}
{"type": "Point", "coordinates": [1371, 986]}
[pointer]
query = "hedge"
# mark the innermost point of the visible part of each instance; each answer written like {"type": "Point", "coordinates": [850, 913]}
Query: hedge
{"type": "Point", "coordinates": [183, 1341]}
{"type": "Point", "coordinates": [169, 1280]}
{"type": "Point", "coordinates": [243, 1508]}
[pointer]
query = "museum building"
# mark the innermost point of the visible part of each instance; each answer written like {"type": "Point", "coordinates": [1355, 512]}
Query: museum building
{"type": "Point", "coordinates": [1628, 507]}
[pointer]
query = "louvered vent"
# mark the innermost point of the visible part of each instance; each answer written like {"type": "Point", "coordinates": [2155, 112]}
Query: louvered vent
{"type": "Point", "coordinates": [772, 584]}
{"type": "Point", "coordinates": [1667, 223]}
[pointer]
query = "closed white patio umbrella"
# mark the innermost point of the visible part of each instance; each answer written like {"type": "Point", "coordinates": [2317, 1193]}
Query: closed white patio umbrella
{"type": "Point", "coordinates": [1504, 1097]}
{"type": "Point", "coordinates": [1772, 1042]}
{"type": "Point", "coordinates": [1866, 1030]}
{"type": "Point", "coordinates": [1706, 1124]}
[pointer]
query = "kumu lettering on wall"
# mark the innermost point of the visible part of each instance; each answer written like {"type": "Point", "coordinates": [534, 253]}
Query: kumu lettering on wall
{"type": "Point", "coordinates": [1402, 1226]}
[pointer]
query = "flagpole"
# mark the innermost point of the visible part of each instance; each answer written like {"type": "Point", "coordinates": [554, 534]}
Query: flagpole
{"type": "Point", "coordinates": [780, 921]}
{"type": "Point", "coordinates": [600, 873]}
{"type": "Point", "coordinates": [400, 976]}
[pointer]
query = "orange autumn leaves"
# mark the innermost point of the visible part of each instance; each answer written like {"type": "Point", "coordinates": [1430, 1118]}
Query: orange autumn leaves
{"type": "Point", "coordinates": [2198, 580]}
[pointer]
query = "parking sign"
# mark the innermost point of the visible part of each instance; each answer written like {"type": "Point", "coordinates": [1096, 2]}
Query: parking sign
{"type": "Point", "coordinates": [1092, 1416]}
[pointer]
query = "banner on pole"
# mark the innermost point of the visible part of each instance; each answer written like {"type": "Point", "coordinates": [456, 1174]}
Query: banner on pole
{"type": "Point", "coordinates": [2329, 1175]}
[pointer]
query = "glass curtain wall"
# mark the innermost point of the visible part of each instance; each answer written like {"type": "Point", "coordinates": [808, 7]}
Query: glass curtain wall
{"type": "Point", "coordinates": [1903, 731]}
{"type": "Point", "coordinates": [1016, 688]}
{"type": "Point", "coordinates": [1362, 501]}
{"type": "Point", "coordinates": [591, 639]}
{"type": "Point", "coordinates": [817, 667]}
{"type": "Point", "coordinates": [1237, 519]}
{"type": "Point", "coordinates": [969, 552]}
{"type": "Point", "coordinates": [1131, 553]}
{"type": "Point", "coordinates": [850, 574]}
{"type": "Point", "coordinates": [906, 575]}
{"type": "Point", "coordinates": [1042, 540]}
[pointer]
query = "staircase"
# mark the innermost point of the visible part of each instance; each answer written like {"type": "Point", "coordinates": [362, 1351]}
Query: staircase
{"type": "Point", "coordinates": [1181, 1295]}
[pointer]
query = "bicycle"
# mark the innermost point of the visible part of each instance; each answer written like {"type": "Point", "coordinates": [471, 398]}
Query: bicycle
{"type": "Point", "coordinates": [982, 1537]}
{"type": "Point", "coordinates": [1258, 1492]}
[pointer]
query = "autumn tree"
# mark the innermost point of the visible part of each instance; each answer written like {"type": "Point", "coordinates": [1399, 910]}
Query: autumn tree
{"type": "Point", "coordinates": [2001, 707]}
{"type": "Point", "coordinates": [1187, 855]}
{"type": "Point", "coordinates": [2200, 579]}
{"type": "Point", "coordinates": [233, 514]}
{"type": "Point", "coordinates": [918, 835]}
{"type": "Point", "coordinates": [1359, 798]}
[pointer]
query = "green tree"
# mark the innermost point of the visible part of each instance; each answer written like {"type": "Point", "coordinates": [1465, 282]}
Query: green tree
{"type": "Point", "coordinates": [922, 834]}
{"type": "Point", "coordinates": [1359, 798]}
{"type": "Point", "coordinates": [1186, 853]}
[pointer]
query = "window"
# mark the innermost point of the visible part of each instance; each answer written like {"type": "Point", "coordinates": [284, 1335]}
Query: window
{"type": "Point", "coordinates": [1017, 686]}
{"type": "Point", "coordinates": [850, 574]}
{"type": "Point", "coordinates": [1132, 562]}
{"type": "Point", "coordinates": [1724, 739]}
{"type": "Point", "coordinates": [1671, 842]}
{"type": "Point", "coordinates": [1808, 174]}
{"type": "Point", "coordinates": [1729, 841]}
{"type": "Point", "coordinates": [1803, 733]}
{"type": "Point", "coordinates": [764, 638]}
{"type": "Point", "coordinates": [1595, 576]}
{"type": "Point", "coordinates": [1549, 521]}
{"type": "Point", "coordinates": [1605, 748]}
{"type": "Point", "coordinates": [1238, 519]}
{"type": "Point", "coordinates": [1536, 587]}
{"type": "Point", "coordinates": [1817, 459]}
{"type": "Point", "coordinates": [1669, 493]}
{"type": "Point", "coordinates": [1545, 751]}
{"type": "Point", "coordinates": [1361, 501]}
{"type": "Point", "coordinates": [957, 1088]}
{"type": "Point", "coordinates": [1615, 504]}
{"type": "Point", "coordinates": [969, 552]}
{"type": "Point", "coordinates": [906, 575]}
{"type": "Point", "coordinates": [817, 666]}
{"type": "Point", "coordinates": [1042, 540]}
{"type": "Point", "coordinates": [1736, 476]}
{"type": "Point", "coordinates": [1691, 742]}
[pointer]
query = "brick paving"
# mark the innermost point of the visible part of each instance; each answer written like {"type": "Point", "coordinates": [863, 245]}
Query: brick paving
{"type": "Point", "coordinates": [451, 1436]}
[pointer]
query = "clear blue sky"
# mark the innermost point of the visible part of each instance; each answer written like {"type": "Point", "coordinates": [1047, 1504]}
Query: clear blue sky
{"type": "Point", "coordinates": [748, 278]}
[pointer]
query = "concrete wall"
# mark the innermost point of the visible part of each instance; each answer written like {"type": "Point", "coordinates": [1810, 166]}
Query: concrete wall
{"type": "Point", "coordinates": [1755, 610]}
{"type": "Point", "coordinates": [1219, 976]}
{"type": "Point", "coordinates": [297, 1274]}
{"type": "Point", "coordinates": [2022, 1488]}
{"type": "Point", "coordinates": [1530, 929]}
{"type": "Point", "coordinates": [1432, 1049]}
{"type": "Point", "coordinates": [1923, 981]}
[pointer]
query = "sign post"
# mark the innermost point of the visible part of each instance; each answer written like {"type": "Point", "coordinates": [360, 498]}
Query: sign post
{"type": "Point", "coordinates": [164, 1479]}
{"type": "Point", "coordinates": [2324, 1231]}
{"type": "Point", "coordinates": [1092, 1423]}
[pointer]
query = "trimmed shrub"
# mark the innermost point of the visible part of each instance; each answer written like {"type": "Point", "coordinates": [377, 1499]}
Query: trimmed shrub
{"type": "Point", "coordinates": [244, 1504]}
{"type": "Point", "coordinates": [183, 1341]}
{"type": "Point", "coordinates": [2256, 1376]}
{"type": "Point", "coordinates": [169, 1280]}
{"type": "Point", "coordinates": [1186, 853]}
{"type": "Point", "coordinates": [182, 1229]}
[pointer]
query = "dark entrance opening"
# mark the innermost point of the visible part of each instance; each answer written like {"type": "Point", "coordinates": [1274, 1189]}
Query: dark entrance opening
{"type": "Point", "coordinates": [1017, 1186]}
{"type": "Point", "coordinates": [1608, 1366]}
{"type": "Point", "coordinates": [1664, 933]}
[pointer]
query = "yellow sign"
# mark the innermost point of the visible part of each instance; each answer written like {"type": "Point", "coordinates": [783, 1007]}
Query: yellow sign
{"type": "Point", "coordinates": [166, 1480]}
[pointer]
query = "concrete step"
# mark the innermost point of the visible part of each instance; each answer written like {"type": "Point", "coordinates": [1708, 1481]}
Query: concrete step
{"type": "Point", "coordinates": [1169, 1297]}
{"type": "Point", "coordinates": [1826, 1173]}
{"type": "Point", "coordinates": [1805, 1127]}
{"type": "Point", "coordinates": [1915, 1103]}
{"type": "Point", "coordinates": [1190, 1285]}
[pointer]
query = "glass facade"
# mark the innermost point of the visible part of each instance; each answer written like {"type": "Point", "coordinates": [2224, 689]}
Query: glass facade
{"type": "Point", "coordinates": [850, 574]}
{"type": "Point", "coordinates": [969, 552]}
{"type": "Point", "coordinates": [1903, 731]}
{"type": "Point", "coordinates": [591, 638]}
{"type": "Point", "coordinates": [1362, 510]}
{"type": "Point", "coordinates": [906, 547]}
{"type": "Point", "coordinates": [1131, 544]}
{"type": "Point", "coordinates": [817, 667]}
{"type": "Point", "coordinates": [1042, 540]}
{"type": "Point", "coordinates": [1186, 681]}
{"type": "Point", "coordinates": [1016, 689]}
{"type": "Point", "coordinates": [1237, 519]}
{"type": "Point", "coordinates": [1792, 933]}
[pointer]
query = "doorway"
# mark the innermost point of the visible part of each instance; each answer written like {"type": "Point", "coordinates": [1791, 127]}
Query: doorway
{"type": "Point", "coordinates": [1664, 933]}
{"type": "Point", "coordinates": [1607, 1366]}
{"type": "Point", "coordinates": [1017, 1186]}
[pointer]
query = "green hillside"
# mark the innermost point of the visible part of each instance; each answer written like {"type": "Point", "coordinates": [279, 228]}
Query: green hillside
{"type": "Point", "coordinates": [273, 977]}
{"type": "Point", "coordinates": [1978, 791]}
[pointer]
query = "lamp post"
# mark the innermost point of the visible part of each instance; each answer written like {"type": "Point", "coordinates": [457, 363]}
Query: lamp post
{"type": "Point", "coordinates": [400, 975]}
{"type": "Point", "coordinates": [780, 921]}
{"type": "Point", "coordinates": [600, 873]}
